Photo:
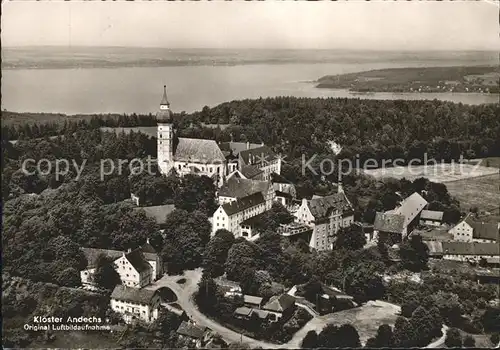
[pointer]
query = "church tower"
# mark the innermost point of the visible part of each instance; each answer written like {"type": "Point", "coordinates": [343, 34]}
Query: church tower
{"type": "Point", "coordinates": [165, 137]}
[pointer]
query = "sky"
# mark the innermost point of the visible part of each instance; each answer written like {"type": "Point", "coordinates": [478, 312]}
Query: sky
{"type": "Point", "coordinates": [388, 25]}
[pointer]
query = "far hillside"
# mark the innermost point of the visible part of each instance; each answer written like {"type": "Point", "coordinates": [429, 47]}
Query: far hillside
{"type": "Point", "coordinates": [479, 79]}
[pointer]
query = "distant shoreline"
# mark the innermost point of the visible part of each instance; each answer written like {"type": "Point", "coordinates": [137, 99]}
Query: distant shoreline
{"type": "Point", "coordinates": [461, 79]}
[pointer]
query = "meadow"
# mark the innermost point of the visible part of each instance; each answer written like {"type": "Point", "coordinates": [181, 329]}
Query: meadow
{"type": "Point", "coordinates": [441, 173]}
{"type": "Point", "coordinates": [481, 192]}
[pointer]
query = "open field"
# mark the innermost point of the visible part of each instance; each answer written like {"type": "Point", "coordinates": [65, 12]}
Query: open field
{"type": "Point", "coordinates": [443, 173]}
{"type": "Point", "coordinates": [482, 192]}
{"type": "Point", "coordinates": [367, 318]}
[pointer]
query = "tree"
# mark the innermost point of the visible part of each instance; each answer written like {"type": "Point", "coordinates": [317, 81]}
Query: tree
{"type": "Point", "coordinates": [329, 337]}
{"type": "Point", "coordinates": [269, 245]}
{"type": "Point", "coordinates": [414, 254]}
{"type": "Point", "coordinates": [207, 296]}
{"type": "Point", "coordinates": [196, 193]}
{"type": "Point", "coordinates": [384, 337]}
{"type": "Point", "coordinates": [69, 277]}
{"type": "Point", "coordinates": [242, 256]}
{"type": "Point", "coordinates": [167, 322]}
{"type": "Point", "coordinates": [364, 283]}
{"type": "Point", "coordinates": [423, 324]}
{"type": "Point", "coordinates": [350, 238]}
{"type": "Point", "coordinates": [216, 251]}
{"type": "Point", "coordinates": [313, 289]}
{"type": "Point", "coordinates": [469, 341]}
{"type": "Point", "coordinates": [453, 338]}
{"type": "Point", "coordinates": [490, 320]}
{"type": "Point", "coordinates": [404, 334]}
{"type": "Point", "coordinates": [310, 341]}
{"type": "Point", "coordinates": [271, 219]}
{"type": "Point", "coordinates": [449, 307]}
{"type": "Point", "coordinates": [105, 275]}
{"type": "Point", "coordinates": [348, 337]}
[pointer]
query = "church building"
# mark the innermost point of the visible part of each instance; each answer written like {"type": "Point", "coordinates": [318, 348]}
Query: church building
{"type": "Point", "coordinates": [206, 157]}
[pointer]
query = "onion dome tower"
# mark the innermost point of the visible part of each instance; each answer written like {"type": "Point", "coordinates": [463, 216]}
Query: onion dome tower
{"type": "Point", "coordinates": [165, 135]}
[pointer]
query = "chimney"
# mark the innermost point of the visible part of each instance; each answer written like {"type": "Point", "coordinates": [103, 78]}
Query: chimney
{"type": "Point", "coordinates": [248, 145]}
{"type": "Point", "coordinates": [147, 240]}
{"type": "Point", "coordinates": [129, 250]}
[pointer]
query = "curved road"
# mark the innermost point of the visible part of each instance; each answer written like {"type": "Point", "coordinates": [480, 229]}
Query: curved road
{"type": "Point", "coordinates": [185, 294]}
{"type": "Point", "coordinates": [440, 342]}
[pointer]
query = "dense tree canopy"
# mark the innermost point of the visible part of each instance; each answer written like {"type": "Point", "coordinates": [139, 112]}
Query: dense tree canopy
{"type": "Point", "coordinates": [350, 238]}
{"type": "Point", "coordinates": [414, 254]}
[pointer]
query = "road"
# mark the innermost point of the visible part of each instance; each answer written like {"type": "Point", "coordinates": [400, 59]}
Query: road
{"type": "Point", "coordinates": [185, 294]}
{"type": "Point", "coordinates": [439, 343]}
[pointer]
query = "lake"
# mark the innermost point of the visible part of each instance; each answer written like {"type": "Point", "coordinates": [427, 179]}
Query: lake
{"type": "Point", "coordinates": [128, 89]}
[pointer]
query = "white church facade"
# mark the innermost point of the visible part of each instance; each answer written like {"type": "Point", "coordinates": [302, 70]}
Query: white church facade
{"type": "Point", "coordinates": [206, 157]}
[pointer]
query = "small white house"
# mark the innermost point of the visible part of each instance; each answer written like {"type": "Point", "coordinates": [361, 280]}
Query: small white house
{"type": "Point", "coordinates": [469, 230]}
{"type": "Point", "coordinates": [134, 270]}
{"type": "Point", "coordinates": [135, 304]}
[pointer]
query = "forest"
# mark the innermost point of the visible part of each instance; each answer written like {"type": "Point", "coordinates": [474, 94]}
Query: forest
{"type": "Point", "coordinates": [47, 219]}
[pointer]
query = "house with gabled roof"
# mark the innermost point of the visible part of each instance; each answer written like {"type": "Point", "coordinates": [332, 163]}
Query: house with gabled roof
{"type": "Point", "coordinates": [235, 188]}
{"type": "Point", "coordinates": [399, 222]}
{"type": "Point", "coordinates": [325, 215]}
{"type": "Point", "coordinates": [263, 158]}
{"type": "Point", "coordinates": [137, 268]}
{"type": "Point", "coordinates": [134, 269]}
{"type": "Point", "coordinates": [469, 230]}
{"type": "Point", "coordinates": [93, 255]}
{"type": "Point", "coordinates": [192, 333]}
{"type": "Point", "coordinates": [153, 258]}
{"type": "Point", "coordinates": [229, 216]}
{"type": "Point", "coordinates": [472, 252]}
{"type": "Point", "coordinates": [431, 217]}
{"type": "Point", "coordinates": [134, 304]}
{"type": "Point", "coordinates": [282, 306]}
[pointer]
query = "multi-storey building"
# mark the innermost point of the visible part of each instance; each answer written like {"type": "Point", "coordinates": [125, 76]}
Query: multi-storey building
{"type": "Point", "coordinates": [134, 304]}
{"type": "Point", "coordinates": [230, 215]}
{"type": "Point", "coordinates": [469, 230]}
{"type": "Point", "coordinates": [325, 215]}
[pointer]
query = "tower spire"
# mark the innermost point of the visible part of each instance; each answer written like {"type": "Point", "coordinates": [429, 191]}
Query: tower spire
{"type": "Point", "coordinates": [164, 100]}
